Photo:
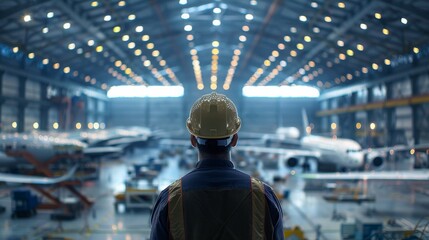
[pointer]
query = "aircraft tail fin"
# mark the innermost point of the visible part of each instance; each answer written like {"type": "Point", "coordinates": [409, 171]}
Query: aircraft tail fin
{"type": "Point", "coordinates": [305, 121]}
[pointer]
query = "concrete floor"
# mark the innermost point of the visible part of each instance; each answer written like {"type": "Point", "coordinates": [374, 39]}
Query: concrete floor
{"type": "Point", "coordinates": [405, 202]}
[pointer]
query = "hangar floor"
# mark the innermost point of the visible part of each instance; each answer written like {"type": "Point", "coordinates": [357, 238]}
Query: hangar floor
{"type": "Point", "coordinates": [406, 203]}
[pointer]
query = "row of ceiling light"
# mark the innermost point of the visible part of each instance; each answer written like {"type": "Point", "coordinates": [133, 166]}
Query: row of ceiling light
{"type": "Point", "coordinates": [129, 73]}
{"type": "Point", "coordinates": [300, 46]}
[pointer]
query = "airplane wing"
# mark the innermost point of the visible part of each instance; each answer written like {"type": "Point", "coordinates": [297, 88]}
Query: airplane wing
{"type": "Point", "coordinates": [16, 178]}
{"type": "Point", "coordinates": [101, 151]}
{"type": "Point", "coordinates": [280, 151]}
{"type": "Point", "coordinates": [399, 148]}
{"type": "Point", "coordinates": [386, 176]}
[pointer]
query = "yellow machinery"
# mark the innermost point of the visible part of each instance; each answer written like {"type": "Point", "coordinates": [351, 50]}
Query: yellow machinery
{"type": "Point", "coordinates": [135, 198]}
{"type": "Point", "coordinates": [293, 233]}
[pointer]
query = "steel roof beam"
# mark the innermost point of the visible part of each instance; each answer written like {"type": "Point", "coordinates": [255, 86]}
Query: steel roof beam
{"type": "Point", "coordinates": [273, 8]}
{"type": "Point", "coordinates": [52, 81]}
{"type": "Point", "coordinates": [337, 32]}
{"type": "Point", "coordinates": [21, 8]}
{"type": "Point", "coordinates": [85, 24]}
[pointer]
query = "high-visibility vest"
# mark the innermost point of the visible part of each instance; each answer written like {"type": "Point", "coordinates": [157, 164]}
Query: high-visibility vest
{"type": "Point", "coordinates": [217, 213]}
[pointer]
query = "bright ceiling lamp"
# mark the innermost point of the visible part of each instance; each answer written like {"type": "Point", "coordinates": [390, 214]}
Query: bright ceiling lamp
{"type": "Point", "coordinates": [299, 91]}
{"type": "Point", "coordinates": [282, 91]}
{"type": "Point", "coordinates": [143, 91]}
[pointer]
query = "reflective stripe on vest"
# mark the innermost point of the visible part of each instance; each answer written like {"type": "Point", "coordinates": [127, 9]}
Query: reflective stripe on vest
{"type": "Point", "coordinates": [175, 210]}
{"type": "Point", "coordinates": [258, 209]}
{"type": "Point", "coordinates": [176, 214]}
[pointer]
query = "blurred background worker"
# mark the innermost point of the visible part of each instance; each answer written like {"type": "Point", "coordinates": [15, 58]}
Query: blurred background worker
{"type": "Point", "coordinates": [216, 201]}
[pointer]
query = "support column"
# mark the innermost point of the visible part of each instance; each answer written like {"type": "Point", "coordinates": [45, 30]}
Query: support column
{"type": "Point", "coordinates": [21, 104]}
{"type": "Point", "coordinates": [370, 119]}
{"type": "Point", "coordinates": [390, 131]}
{"type": "Point", "coordinates": [1, 99]}
{"type": "Point", "coordinates": [44, 107]}
{"type": "Point", "coordinates": [415, 110]}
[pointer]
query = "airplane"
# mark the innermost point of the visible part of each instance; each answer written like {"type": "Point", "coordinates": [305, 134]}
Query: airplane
{"type": "Point", "coordinates": [17, 149]}
{"type": "Point", "coordinates": [118, 139]}
{"type": "Point", "coordinates": [337, 153]}
{"type": "Point", "coordinates": [44, 146]}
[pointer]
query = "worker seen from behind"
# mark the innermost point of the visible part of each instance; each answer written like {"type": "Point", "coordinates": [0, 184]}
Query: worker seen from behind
{"type": "Point", "coordinates": [216, 201]}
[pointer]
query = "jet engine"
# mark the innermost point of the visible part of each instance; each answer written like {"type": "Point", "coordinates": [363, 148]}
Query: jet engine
{"type": "Point", "coordinates": [292, 162]}
{"type": "Point", "coordinates": [377, 161]}
{"type": "Point", "coordinates": [375, 158]}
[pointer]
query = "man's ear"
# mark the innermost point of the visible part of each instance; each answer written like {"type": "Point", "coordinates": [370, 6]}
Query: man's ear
{"type": "Point", "coordinates": [234, 140]}
{"type": "Point", "coordinates": [193, 141]}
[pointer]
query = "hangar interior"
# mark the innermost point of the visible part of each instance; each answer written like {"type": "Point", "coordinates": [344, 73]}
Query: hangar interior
{"type": "Point", "coordinates": [123, 75]}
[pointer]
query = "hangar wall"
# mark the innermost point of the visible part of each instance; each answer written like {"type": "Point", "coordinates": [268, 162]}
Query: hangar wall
{"type": "Point", "coordinates": [258, 114]}
{"type": "Point", "coordinates": [399, 108]}
{"type": "Point", "coordinates": [28, 104]}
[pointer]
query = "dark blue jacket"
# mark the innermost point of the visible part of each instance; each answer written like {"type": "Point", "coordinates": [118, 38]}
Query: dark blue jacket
{"type": "Point", "coordinates": [211, 176]}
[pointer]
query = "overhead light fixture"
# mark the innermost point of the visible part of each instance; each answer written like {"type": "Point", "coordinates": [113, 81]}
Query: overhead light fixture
{"type": "Point", "coordinates": [404, 21]}
{"type": "Point", "coordinates": [66, 25]}
{"type": "Point", "coordinates": [188, 28]}
{"type": "Point", "coordinates": [242, 38]}
{"type": "Point", "coordinates": [121, 3]}
{"type": "Point", "coordinates": [71, 46]}
{"type": "Point", "coordinates": [99, 48]}
{"type": "Point", "coordinates": [302, 18]}
{"type": "Point", "coordinates": [145, 38]}
{"type": "Point", "coordinates": [27, 18]}
{"type": "Point", "coordinates": [249, 17]}
{"type": "Point", "coordinates": [217, 10]}
{"type": "Point", "coordinates": [31, 55]}
{"type": "Point", "coordinates": [307, 38]}
{"type": "Point", "coordinates": [328, 19]}
{"type": "Point", "coordinates": [385, 31]}
{"type": "Point", "coordinates": [91, 42]}
{"type": "Point", "coordinates": [287, 39]}
{"type": "Point", "coordinates": [341, 5]}
{"type": "Point", "coordinates": [314, 4]}
{"type": "Point", "coordinates": [139, 29]}
{"type": "Point", "coordinates": [216, 22]}
{"type": "Point", "coordinates": [131, 17]}
{"type": "Point", "coordinates": [183, 2]}
{"type": "Point", "coordinates": [15, 49]}
{"type": "Point", "coordinates": [45, 30]}
{"type": "Point", "coordinates": [185, 16]}
{"type": "Point", "coordinates": [116, 29]}
{"type": "Point", "coordinates": [377, 15]}
{"type": "Point", "coordinates": [215, 44]}
{"type": "Point", "coordinates": [125, 38]}
{"type": "Point", "coordinates": [316, 30]}
{"type": "Point", "coordinates": [50, 15]}
{"type": "Point", "coordinates": [94, 4]}
{"type": "Point", "coordinates": [363, 26]}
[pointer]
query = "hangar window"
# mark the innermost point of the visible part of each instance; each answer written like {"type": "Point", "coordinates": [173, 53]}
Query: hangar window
{"type": "Point", "coordinates": [282, 91]}
{"type": "Point", "coordinates": [143, 91]}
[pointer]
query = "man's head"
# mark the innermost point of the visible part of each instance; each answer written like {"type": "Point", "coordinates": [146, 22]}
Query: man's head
{"type": "Point", "coordinates": [213, 123]}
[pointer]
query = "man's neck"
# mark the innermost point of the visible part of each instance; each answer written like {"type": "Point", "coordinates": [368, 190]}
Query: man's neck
{"type": "Point", "coordinates": [222, 156]}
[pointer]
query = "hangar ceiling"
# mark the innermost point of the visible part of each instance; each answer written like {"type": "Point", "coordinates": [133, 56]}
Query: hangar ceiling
{"type": "Point", "coordinates": [214, 45]}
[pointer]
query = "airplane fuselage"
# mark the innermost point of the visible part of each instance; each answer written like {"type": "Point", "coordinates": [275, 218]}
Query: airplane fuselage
{"type": "Point", "coordinates": [345, 153]}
